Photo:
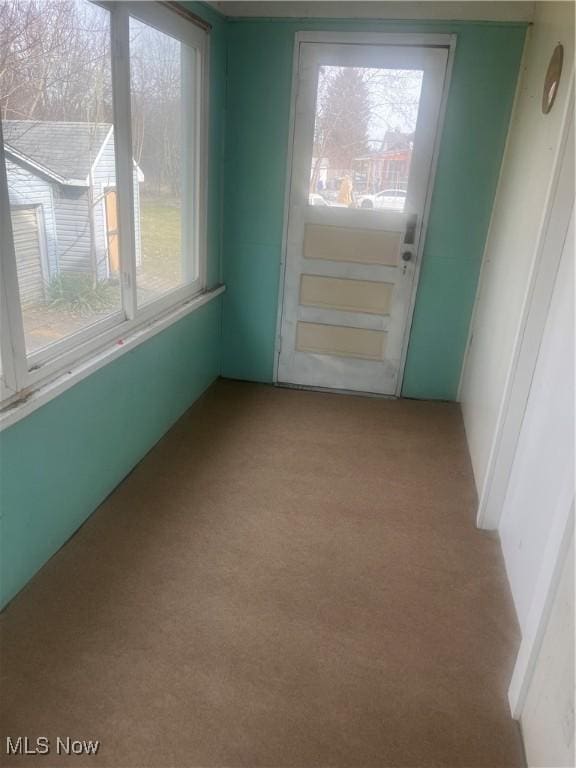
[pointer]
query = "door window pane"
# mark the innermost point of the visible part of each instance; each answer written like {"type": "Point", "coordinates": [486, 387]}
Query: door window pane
{"type": "Point", "coordinates": [364, 136]}
{"type": "Point", "coordinates": [161, 71]}
{"type": "Point", "coordinates": [56, 108]}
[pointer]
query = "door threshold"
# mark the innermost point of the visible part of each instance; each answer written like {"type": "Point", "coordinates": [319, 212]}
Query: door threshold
{"type": "Point", "coordinates": [334, 390]}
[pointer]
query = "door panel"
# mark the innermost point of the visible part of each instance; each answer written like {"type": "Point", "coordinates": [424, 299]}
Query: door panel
{"type": "Point", "coordinates": [357, 245]}
{"type": "Point", "coordinates": [340, 340]}
{"type": "Point", "coordinates": [365, 127]}
{"type": "Point", "coordinates": [367, 296]}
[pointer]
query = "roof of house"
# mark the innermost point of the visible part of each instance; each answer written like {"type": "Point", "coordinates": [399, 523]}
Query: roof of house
{"type": "Point", "coordinates": [65, 151]}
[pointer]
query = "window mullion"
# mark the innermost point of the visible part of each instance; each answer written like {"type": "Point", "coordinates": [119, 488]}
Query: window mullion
{"type": "Point", "coordinates": [120, 32]}
{"type": "Point", "coordinates": [189, 160]}
{"type": "Point", "coordinates": [202, 154]}
{"type": "Point", "coordinates": [12, 341]}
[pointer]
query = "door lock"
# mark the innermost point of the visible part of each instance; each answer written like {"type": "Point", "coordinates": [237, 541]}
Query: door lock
{"type": "Point", "coordinates": [410, 234]}
{"type": "Point", "coordinates": [407, 256]}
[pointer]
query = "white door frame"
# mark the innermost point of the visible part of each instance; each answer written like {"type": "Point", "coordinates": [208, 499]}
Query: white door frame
{"type": "Point", "coordinates": [542, 602]}
{"type": "Point", "coordinates": [364, 38]}
{"type": "Point", "coordinates": [531, 328]}
{"type": "Point", "coordinates": [555, 552]}
{"type": "Point", "coordinates": [551, 240]}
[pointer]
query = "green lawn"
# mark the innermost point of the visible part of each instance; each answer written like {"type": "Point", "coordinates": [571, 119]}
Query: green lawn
{"type": "Point", "coordinates": [160, 224]}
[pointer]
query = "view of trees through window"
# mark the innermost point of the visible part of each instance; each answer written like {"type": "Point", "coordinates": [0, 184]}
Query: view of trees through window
{"type": "Point", "coordinates": [158, 66]}
{"type": "Point", "coordinates": [57, 120]}
{"type": "Point", "coordinates": [364, 136]}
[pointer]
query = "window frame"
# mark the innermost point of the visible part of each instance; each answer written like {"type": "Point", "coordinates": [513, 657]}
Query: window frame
{"type": "Point", "coordinates": [22, 372]}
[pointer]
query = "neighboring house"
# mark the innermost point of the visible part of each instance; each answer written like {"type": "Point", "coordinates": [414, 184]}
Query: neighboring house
{"type": "Point", "coordinates": [385, 165]}
{"type": "Point", "coordinates": [389, 166]}
{"type": "Point", "coordinates": [62, 187]}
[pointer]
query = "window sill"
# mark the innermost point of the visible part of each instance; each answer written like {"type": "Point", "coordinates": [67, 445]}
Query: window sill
{"type": "Point", "coordinates": [30, 400]}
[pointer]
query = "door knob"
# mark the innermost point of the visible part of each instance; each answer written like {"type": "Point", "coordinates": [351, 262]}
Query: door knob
{"type": "Point", "coordinates": [407, 256]}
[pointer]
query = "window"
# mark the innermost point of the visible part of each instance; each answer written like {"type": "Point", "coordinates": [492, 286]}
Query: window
{"type": "Point", "coordinates": [161, 74]}
{"type": "Point", "coordinates": [102, 179]}
{"type": "Point", "coordinates": [363, 136]}
{"type": "Point", "coordinates": [59, 151]}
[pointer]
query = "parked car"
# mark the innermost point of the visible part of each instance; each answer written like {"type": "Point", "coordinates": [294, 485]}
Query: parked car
{"type": "Point", "coordinates": [315, 199]}
{"type": "Point", "coordinates": [392, 199]}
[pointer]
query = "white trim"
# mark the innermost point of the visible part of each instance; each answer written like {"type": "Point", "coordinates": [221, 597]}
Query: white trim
{"type": "Point", "coordinates": [537, 299]}
{"type": "Point", "coordinates": [421, 40]}
{"type": "Point", "coordinates": [48, 362]}
{"type": "Point", "coordinates": [426, 213]}
{"type": "Point", "coordinates": [31, 400]}
{"type": "Point", "coordinates": [165, 20]}
{"type": "Point", "coordinates": [401, 10]}
{"type": "Point", "coordinates": [99, 154]}
{"type": "Point", "coordinates": [42, 361]}
{"type": "Point", "coordinates": [120, 51]}
{"type": "Point", "coordinates": [287, 186]}
{"type": "Point", "coordinates": [544, 594]}
{"type": "Point", "coordinates": [202, 180]}
{"type": "Point", "coordinates": [12, 342]}
{"type": "Point", "coordinates": [416, 39]}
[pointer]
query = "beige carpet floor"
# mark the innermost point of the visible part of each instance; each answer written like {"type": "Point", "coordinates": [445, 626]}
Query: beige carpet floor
{"type": "Point", "coordinates": [288, 579]}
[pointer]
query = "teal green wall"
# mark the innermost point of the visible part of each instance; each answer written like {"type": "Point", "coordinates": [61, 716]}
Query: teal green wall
{"type": "Point", "coordinates": [259, 81]}
{"type": "Point", "coordinates": [59, 463]}
{"type": "Point", "coordinates": [65, 458]}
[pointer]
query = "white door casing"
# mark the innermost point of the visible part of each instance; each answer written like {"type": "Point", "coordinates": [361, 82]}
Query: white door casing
{"type": "Point", "coordinates": [538, 514]}
{"type": "Point", "coordinates": [347, 294]}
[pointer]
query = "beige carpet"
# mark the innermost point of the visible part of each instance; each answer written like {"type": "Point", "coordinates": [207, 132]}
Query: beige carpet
{"type": "Point", "coordinates": [288, 579]}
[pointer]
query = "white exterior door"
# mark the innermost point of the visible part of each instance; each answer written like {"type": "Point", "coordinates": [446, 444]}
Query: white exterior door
{"type": "Point", "coordinates": [365, 129]}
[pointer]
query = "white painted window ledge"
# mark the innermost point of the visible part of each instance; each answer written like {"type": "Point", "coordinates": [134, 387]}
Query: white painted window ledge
{"type": "Point", "coordinates": [30, 400]}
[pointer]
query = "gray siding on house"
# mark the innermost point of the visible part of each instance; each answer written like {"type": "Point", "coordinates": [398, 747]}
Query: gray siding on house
{"type": "Point", "coordinates": [72, 213]}
{"type": "Point", "coordinates": [74, 217]}
{"type": "Point", "coordinates": [28, 188]}
{"type": "Point", "coordinates": [27, 237]}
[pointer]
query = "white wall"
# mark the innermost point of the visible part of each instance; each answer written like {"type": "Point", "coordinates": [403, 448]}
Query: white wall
{"type": "Point", "coordinates": [517, 219]}
{"type": "Point", "coordinates": [541, 483]}
{"type": "Point", "coordinates": [548, 717]}
{"type": "Point", "coordinates": [517, 387]}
